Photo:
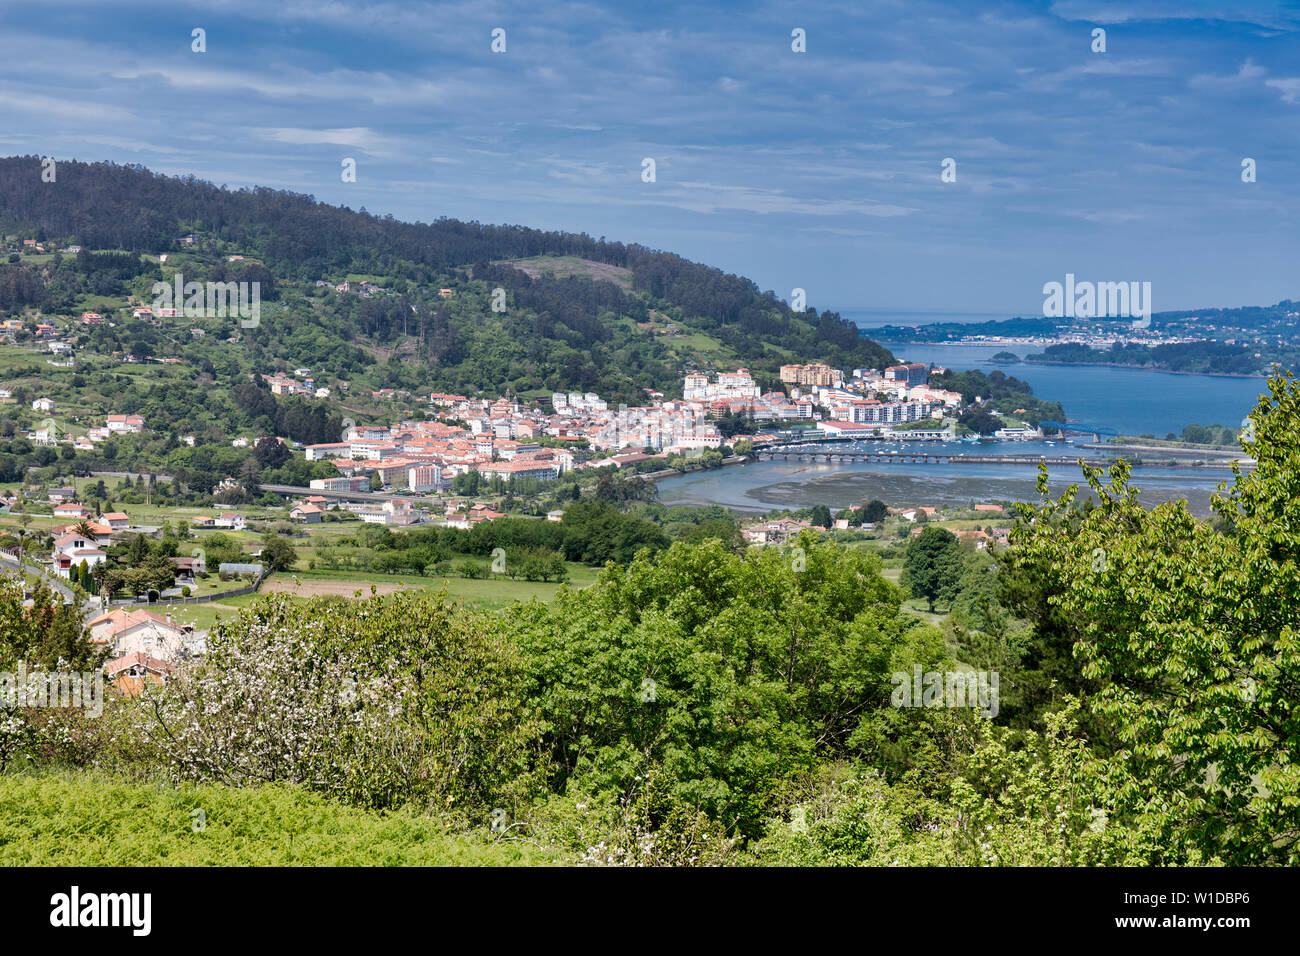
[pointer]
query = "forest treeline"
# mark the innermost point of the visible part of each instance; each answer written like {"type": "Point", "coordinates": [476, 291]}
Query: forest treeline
{"type": "Point", "coordinates": [127, 207]}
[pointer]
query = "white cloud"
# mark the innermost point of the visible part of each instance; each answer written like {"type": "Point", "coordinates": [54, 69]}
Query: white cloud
{"type": "Point", "coordinates": [1289, 86]}
{"type": "Point", "coordinates": [359, 137]}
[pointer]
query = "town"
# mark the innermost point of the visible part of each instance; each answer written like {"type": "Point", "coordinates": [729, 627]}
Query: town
{"type": "Point", "coordinates": [149, 585]}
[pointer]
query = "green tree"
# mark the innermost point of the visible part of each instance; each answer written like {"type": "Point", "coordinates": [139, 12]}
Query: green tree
{"type": "Point", "coordinates": [873, 512]}
{"type": "Point", "coordinates": [43, 634]}
{"type": "Point", "coordinates": [933, 566]}
{"type": "Point", "coordinates": [277, 553]}
{"type": "Point", "coordinates": [732, 672]}
{"type": "Point", "coordinates": [1188, 632]}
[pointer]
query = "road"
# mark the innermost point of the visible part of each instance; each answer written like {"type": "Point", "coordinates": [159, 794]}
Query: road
{"type": "Point", "coordinates": [89, 608]}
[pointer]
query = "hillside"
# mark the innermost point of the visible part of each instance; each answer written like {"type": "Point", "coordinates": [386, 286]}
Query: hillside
{"type": "Point", "coordinates": [578, 313]}
{"type": "Point", "coordinates": [83, 819]}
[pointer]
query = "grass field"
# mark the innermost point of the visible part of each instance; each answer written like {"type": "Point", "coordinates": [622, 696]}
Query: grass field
{"type": "Point", "coordinates": [14, 356]}
{"type": "Point", "coordinates": [83, 819]}
{"type": "Point", "coordinates": [485, 593]}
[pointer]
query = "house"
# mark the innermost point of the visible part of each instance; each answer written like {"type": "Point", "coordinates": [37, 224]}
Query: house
{"type": "Point", "coordinates": [125, 424]}
{"type": "Point", "coordinates": [232, 520]}
{"type": "Point", "coordinates": [127, 632]}
{"type": "Point", "coordinates": [71, 510]}
{"type": "Point", "coordinates": [979, 538]}
{"type": "Point", "coordinates": [481, 513]}
{"type": "Point", "coordinates": [777, 531]}
{"type": "Point", "coordinates": [116, 520]}
{"type": "Point", "coordinates": [42, 405]}
{"type": "Point", "coordinates": [307, 514]}
{"type": "Point", "coordinates": [73, 550]}
{"type": "Point", "coordinates": [556, 515]}
{"type": "Point", "coordinates": [130, 672]}
{"type": "Point", "coordinates": [102, 533]}
{"type": "Point", "coordinates": [189, 568]}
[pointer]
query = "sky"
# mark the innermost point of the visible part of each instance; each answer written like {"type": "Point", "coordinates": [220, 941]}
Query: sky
{"type": "Point", "coordinates": [818, 170]}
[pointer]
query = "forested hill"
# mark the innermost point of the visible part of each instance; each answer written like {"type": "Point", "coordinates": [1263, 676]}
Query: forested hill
{"type": "Point", "coordinates": [104, 206]}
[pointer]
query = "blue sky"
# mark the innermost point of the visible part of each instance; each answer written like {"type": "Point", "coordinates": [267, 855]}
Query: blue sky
{"type": "Point", "coordinates": [818, 170]}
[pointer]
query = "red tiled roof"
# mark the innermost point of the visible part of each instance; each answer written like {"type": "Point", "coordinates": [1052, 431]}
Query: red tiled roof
{"type": "Point", "coordinates": [137, 658]}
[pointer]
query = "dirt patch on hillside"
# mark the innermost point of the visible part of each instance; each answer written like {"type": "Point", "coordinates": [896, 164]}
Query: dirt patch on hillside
{"type": "Point", "coordinates": [563, 267]}
{"type": "Point", "coordinates": [328, 588]}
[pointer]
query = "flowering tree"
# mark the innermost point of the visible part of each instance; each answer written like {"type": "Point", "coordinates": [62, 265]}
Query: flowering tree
{"type": "Point", "coordinates": [380, 702]}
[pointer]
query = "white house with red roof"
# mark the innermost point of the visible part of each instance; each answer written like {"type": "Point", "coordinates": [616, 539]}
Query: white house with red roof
{"type": "Point", "coordinates": [72, 550]}
{"type": "Point", "coordinates": [72, 510]}
{"type": "Point", "coordinates": [776, 531]}
{"type": "Point", "coordinates": [116, 520]}
{"type": "Point", "coordinates": [125, 424]}
{"type": "Point", "coordinates": [129, 631]}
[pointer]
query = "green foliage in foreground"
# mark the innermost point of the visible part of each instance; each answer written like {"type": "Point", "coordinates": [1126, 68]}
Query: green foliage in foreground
{"type": "Point", "coordinates": [88, 820]}
{"type": "Point", "coordinates": [699, 706]}
{"type": "Point", "coordinates": [1186, 637]}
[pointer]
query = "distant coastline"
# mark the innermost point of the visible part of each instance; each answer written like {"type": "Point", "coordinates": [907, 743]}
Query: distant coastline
{"type": "Point", "coordinates": [1139, 368]}
{"type": "Point", "coordinates": [892, 346]}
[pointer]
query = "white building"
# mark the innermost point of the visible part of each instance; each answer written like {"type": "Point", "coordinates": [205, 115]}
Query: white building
{"type": "Point", "coordinates": [140, 631]}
